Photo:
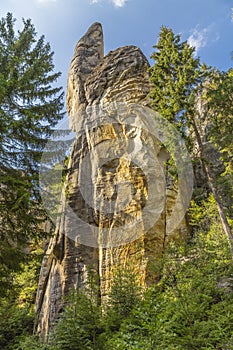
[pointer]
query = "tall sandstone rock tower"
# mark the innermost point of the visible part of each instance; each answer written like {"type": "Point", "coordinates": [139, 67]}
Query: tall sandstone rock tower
{"type": "Point", "coordinates": [96, 80]}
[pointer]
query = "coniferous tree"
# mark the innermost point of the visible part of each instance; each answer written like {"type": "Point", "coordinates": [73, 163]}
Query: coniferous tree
{"type": "Point", "coordinates": [174, 75]}
{"type": "Point", "coordinates": [30, 106]}
{"type": "Point", "coordinates": [178, 79]}
{"type": "Point", "coordinates": [220, 102]}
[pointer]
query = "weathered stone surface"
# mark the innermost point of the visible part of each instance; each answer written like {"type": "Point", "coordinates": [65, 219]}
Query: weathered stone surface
{"type": "Point", "coordinates": [120, 76]}
{"type": "Point", "coordinates": [93, 81]}
{"type": "Point", "coordinates": [88, 52]}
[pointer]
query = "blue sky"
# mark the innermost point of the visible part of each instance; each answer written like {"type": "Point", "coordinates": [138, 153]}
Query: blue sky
{"type": "Point", "coordinates": [207, 24]}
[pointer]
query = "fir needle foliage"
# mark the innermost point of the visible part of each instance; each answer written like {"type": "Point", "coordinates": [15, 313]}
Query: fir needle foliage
{"type": "Point", "coordinates": [179, 84]}
{"type": "Point", "coordinates": [30, 107]}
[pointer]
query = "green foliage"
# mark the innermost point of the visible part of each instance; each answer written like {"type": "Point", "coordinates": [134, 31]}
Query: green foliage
{"type": "Point", "coordinates": [124, 295]}
{"type": "Point", "coordinates": [125, 292]}
{"type": "Point", "coordinates": [190, 308]}
{"type": "Point", "coordinates": [14, 322]}
{"type": "Point", "coordinates": [179, 89]}
{"type": "Point", "coordinates": [30, 107]}
{"type": "Point", "coordinates": [26, 281]}
{"type": "Point", "coordinates": [204, 214]}
{"type": "Point", "coordinates": [79, 325]}
{"type": "Point", "coordinates": [17, 307]}
{"type": "Point", "coordinates": [193, 295]}
{"type": "Point", "coordinates": [32, 343]}
{"type": "Point", "coordinates": [84, 325]}
{"type": "Point", "coordinates": [220, 102]}
{"type": "Point", "coordinates": [174, 76]}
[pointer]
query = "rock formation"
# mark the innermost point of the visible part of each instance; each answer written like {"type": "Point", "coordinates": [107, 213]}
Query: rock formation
{"type": "Point", "coordinates": [96, 81]}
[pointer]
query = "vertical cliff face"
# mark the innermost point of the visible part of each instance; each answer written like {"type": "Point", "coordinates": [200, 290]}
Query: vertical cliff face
{"type": "Point", "coordinates": [106, 189]}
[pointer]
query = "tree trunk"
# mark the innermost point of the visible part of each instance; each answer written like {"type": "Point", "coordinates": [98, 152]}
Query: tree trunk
{"type": "Point", "coordinates": [214, 190]}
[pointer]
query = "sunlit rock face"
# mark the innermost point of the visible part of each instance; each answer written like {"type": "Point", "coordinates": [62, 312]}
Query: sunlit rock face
{"type": "Point", "coordinates": [106, 190]}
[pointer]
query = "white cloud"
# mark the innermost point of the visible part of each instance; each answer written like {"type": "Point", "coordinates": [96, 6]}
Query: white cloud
{"type": "Point", "coordinates": [116, 3]}
{"type": "Point", "coordinates": [199, 38]}
{"type": "Point", "coordinates": [119, 3]}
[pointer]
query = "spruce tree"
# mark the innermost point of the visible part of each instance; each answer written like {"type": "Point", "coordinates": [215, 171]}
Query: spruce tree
{"type": "Point", "coordinates": [30, 107]}
{"type": "Point", "coordinates": [220, 102]}
{"type": "Point", "coordinates": [173, 76]}
{"type": "Point", "coordinates": [178, 80]}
